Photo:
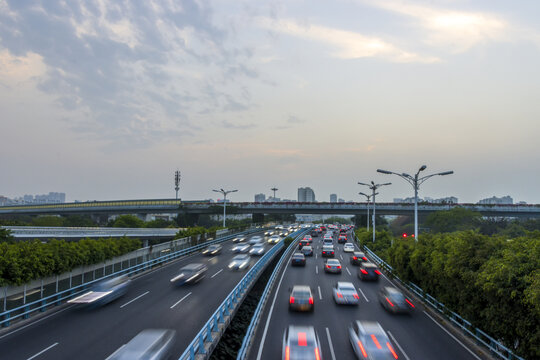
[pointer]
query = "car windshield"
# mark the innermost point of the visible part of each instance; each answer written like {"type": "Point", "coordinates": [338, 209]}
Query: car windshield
{"type": "Point", "coordinates": [298, 256]}
{"type": "Point", "coordinates": [333, 262]}
{"type": "Point", "coordinates": [240, 258]}
{"type": "Point", "coordinates": [346, 287]}
{"type": "Point", "coordinates": [301, 294]}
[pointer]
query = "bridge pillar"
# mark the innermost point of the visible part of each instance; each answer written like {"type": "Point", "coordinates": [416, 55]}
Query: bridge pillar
{"type": "Point", "coordinates": [101, 219]}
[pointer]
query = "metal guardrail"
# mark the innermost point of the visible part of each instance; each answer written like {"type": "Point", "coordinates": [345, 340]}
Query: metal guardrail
{"type": "Point", "coordinates": [41, 305]}
{"type": "Point", "coordinates": [81, 232]}
{"type": "Point", "coordinates": [481, 337]}
{"type": "Point", "coordinates": [256, 318]}
{"type": "Point", "coordinates": [229, 304]}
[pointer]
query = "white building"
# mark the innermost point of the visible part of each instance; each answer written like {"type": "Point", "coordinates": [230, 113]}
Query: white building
{"type": "Point", "coordinates": [306, 195]}
{"type": "Point", "coordinates": [260, 197]}
{"type": "Point", "coordinates": [333, 198]}
{"type": "Point", "coordinates": [505, 200]}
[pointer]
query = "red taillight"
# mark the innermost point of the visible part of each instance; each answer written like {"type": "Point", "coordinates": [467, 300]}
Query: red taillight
{"type": "Point", "coordinates": [339, 295]}
{"type": "Point", "coordinates": [339, 267]}
{"type": "Point", "coordinates": [410, 303]}
{"type": "Point", "coordinates": [377, 272]}
{"type": "Point", "coordinates": [311, 300]}
{"type": "Point", "coordinates": [364, 258]}
{"type": "Point", "coordinates": [291, 300]}
{"type": "Point", "coordinates": [375, 341]}
{"type": "Point", "coordinates": [387, 299]}
{"type": "Point", "coordinates": [391, 350]}
{"type": "Point", "coordinates": [328, 266]}
{"type": "Point", "coordinates": [364, 271]}
{"type": "Point", "coordinates": [302, 339]}
{"type": "Point", "coordinates": [361, 349]}
{"type": "Point", "coordinates": [317, 355]}
{"type": "Point", "coordinates": [354, 258]}
{"type": "Point", "coordinates": [287, 353]}
{"type": "Point", "coordinates": [356, 296]}
{"type": "Point", "coordinates": [332, 253]}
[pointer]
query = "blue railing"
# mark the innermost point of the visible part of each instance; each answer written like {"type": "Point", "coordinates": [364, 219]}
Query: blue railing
{"type": "Point", "coordinates": [41, 305]}
{"type": "Point", "coordinates": [230, 304]}
{"type": "Point", "coordinates": [481, 337]}
{"type": "Point", "coordinates": [256, 318]}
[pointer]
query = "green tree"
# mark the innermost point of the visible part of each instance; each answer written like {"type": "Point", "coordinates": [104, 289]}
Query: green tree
{"type": "Point", "coordinates": [456, 219]}
{"type": "Point", "coordinates": [5, 235]}
{"type": "Point", "coordinates": [128, 221]}
{"type": "Point", "coordinates": [48, 220]}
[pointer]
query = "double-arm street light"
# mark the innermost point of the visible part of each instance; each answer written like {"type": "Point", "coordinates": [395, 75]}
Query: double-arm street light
{"type": "Point", "coordinates": [224, 192]}
{"type": "Point", "coordinates": [415, 181]}
{"type": "Point", "coordinates": [368, 197]}
{"type": "Point", "coordinates": [274, 189]}
{"type": "Point", "coordinates": [374, 188]}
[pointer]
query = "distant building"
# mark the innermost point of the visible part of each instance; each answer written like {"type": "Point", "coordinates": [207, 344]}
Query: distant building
{"type": "Point", "coordinates": [333, 198]}
{"type": "Point", "coordinates": [445, 200]}
{"type": "Point", "coordinates": [340, 200]}
{"type": "Point", "coordinates": [273, 199]}
{"type": "Point", "coordinates": [260, 197]}
{"type": "Point", "coordinates": [306, 195]}
{"type": "Point", "coordinates": [505, 200]}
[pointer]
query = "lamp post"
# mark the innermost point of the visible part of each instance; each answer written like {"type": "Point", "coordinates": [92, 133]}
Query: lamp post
{"type": "Point", "coordinates": [373, 187]}
{"type": "Point", "coordinates": [368, 197]}
{"type": "Point", "coordinates": [224, 192]}
{"type": "Point", "coordinates": [274, 189]}
{"type": "Point", "coordinates": [415, 181]}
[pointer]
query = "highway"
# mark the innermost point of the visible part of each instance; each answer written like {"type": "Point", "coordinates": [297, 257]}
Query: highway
{"type": "Point", "coordinates": [413, 337]}
{"type": "Point", "coordinates": [151, 302]}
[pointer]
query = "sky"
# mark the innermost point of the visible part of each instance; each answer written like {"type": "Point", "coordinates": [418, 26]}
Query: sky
{"type": "Point", "coordinates": [105, 99]}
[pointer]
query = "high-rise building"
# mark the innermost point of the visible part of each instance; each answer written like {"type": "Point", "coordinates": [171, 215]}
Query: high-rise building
{"type": "Point", "coordinates": [260, 197]}
{"type": "Point", "coordinates": [497, 201]}
{"type": "Point", "coordinates": [333, 198]}
{"type": "Point", "coordinates": [306, 195]}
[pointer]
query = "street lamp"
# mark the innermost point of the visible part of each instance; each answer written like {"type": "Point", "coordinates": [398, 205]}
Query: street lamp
{"type": "Point", "coordinates": [373, 187]}
{"type": "Point", "coordinates": [415, 182]}
{"type": "Point", "coordinates": [368, 197]}
{"type": "Point", "coordinates": [224, 192]}
{"type": "Point", "coordinates": [274, 189]}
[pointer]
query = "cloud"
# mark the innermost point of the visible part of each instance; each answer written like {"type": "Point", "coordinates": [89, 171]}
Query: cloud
{"type": "Point", "coordinates": [295, 120]}
{"type": "Point", "coordinates": [350, 45]}
{"type": "Point", "coordinates": [229, 125]}
{"type": "Point", "coordinates": [456, 31]}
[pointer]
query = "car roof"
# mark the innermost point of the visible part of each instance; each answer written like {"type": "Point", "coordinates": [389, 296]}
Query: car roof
{"type": "Point", "coordinates": [369, 265]}
{"type": "Point", "coordinates": [298, 254]}
{"type": "Point", "coordinates": [307, 247]}
{"type": "Point", "coordinates": [294, 330]}
{"type": "Point", "coordinates": [357, 253]}
{"type": "Point", "coordinates": [333, 261]}
{"type": "Point", "coordinates": [371, 327]}
{"type": "Point", "coordinates": [241, 257]}
{"type": "Point", "coordinates": [345, 284]}
{"type": "Point", "coordinates": [301, 288]}
{"type": "Point", "coordinates": [391, 290]}
{"type": "Point", "coordinates": [193, 266]}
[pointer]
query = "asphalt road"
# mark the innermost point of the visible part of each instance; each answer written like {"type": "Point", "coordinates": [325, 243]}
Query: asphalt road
{"type": "Point", "coordinates": [151, 302]}
{"type": "Point", "coordinates": [417, 336]}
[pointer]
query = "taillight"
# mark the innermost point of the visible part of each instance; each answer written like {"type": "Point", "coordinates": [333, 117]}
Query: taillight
{"type": "Point", "coordinates": [332, 253]}
{"type": "Point", "coordinates": [291, 300]}
{"type": "Point", "coordinates": [364, 271]}
{"type": "Point", "coordinates": [328, 266]}
{"type": "Point", "coordinates": [302, 339]}
{"type": "Point", "coordinates": [359, 345]}
{"type": "Point", "coordinates": [410, 303]}
{"type": "Point", "coordinates": [287, 353]}
{"type": "Point", "coordinates": [311, 300]}
{"type": "Point", "coordinates": [375, 341]}
{"type": "Point", "coordinates": [391, 350]}
{"type": "Point", "coordinates": [377, 272]}
{"type": "Point", "coordinates": [339, 267]}
{"type": "Point", "coordinates": [339, 295]}
{"type": "Point", "coordinates": [387, 299]}
{"type": "Point", "coordinates": [356, 296]}
{"type": "Point", "coordinates": [354, 258]}
{"type": "Point", "coordinates": [364, 258]}
{"type": "Point", "coordinates": [317, 355]}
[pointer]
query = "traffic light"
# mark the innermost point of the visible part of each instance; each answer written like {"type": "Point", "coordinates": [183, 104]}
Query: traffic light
{"type": "Point", "coordinates": [404, 235]}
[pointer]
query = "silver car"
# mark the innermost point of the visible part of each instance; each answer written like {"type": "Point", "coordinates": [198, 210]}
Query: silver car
{"type": "Point", "coordinates": [103, 292]}
{"type": "Point", "coordinates": [239, 262]}
{"type": "Point", "coordinates": [394, 301]}
{"type": "Point", "coordinates": [256, 240]}
{"type": "Point", "coordinates": [150, 344]}
{"type": "Point", "coordinates": [332, 266]}
{"type": "Point", "coordinates": [369, 341]}
{"type": "Point", "coordinates": [240, 248]}
{"type": "Point", "coordinates": [345, 294]}
{"type": "Point", "coordinates": [257, 250]}
{"type": "Point", "coordinates": [211, 250]}
{"type": "Point", "coordinates": [239, 238]}
{"type": "Point", "coordinates": [274, 239]}
{"type": "Point", "coordinates": [190, 274]}
{"type": "Point", "coordinates": [301, 343]}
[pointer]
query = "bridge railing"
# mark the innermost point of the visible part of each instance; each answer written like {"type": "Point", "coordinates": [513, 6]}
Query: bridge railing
{"type": "Point", "coordinates": [41, 305]}
{"type": "Point", "coordinates": [218, 321]}
{"type": "Point", "coordinates": [495, 347]}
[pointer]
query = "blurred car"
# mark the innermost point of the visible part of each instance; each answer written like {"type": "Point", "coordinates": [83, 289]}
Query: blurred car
{"type": "Point", "coordinates": [298, 259]}
{"type": "Point", "coordinates": [256, 240]}
{"type": "Point", "coordinates": [307, 250]}
{"type": "Point", "coordinates": [274, 239]}
{"type": "Point", "coordinates": [103, 292]}
{"type": "Point", "coordinates": [269, 233]}
{"type": "Point", "coordinates": [394, 301]}
{"type": "Point", "coordinates": [357, 258]}
{"type": "Point", "coordinates": [240, 248]}
{"type": "Point", "coordinates": [149, 344]}
{"type": "Point", "coordinates": [213, 249]}
{"type": "Point", "coordinates": [328, 242]}
{"type": "Point", "coordinates": [239, 238]}
{"type": "Point", "coordinates": [348, 247]}
{"type": "Point", "coordinates": [369, 341]}
{"type": "Point", "coordinates": [332, 266]}
{"type": "Point", "coordinates": [328, 236]}
{"type": "Point", "coordinates": [301, 343]}
{"type": "Point", "coordinates": [342, 239]}
{"type": "Point", "coordinates": [302, 243]}
{"type": "Point", "coordinates": [301, 298]}
{"type": "Point", "coordinates": [239, 262]}
{"type": "Point", "coordinates": [283, 233]}
{"type": "Point", "coordinates": [308, 238]}
{"type": "Point", "coordinates": [257, 250]}
{"type": "Point", "coordinates": [314, 233]}
{"type": "Point", "coordinates": [190, 274]}
{"type": "Point", "coordinates": [368, 271]}
{"type": "Point", "coordinates": [345, 293]}
{"type": "Point", "coordinates": [327, 251]}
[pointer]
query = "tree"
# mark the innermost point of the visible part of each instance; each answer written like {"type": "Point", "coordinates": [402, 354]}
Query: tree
{"type": "Point", "coordinates": [456, 219]}
{"type": "Point", "coordinates": [48, 220]}
{"type": "Point", "coordinates": [5, 235]}
{"type": "Point", "coordinates": [128, 221]}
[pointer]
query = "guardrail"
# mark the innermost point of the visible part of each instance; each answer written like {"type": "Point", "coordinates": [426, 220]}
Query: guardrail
{"type": "Point", "coordinates": [229, 305]}
{"type": "Point", "coordinates": [41, 305]}
{"type": "Point", "coordinates": [82, 232]}
{"type": "Point", "coordinates": [255, 319]}
{"type": "Point", "coordinates": [481, 337]}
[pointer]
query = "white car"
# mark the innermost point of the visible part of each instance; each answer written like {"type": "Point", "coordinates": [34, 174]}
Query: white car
{"type": "Point", "coordinates": [239, 262]}
{"type": "Point", "coordinates": [240, 238]}
{"type": "Point", "coordinates": [269, 233]}
{"type": "Point", "coordinates": [274, 239]}
{"type": "Point", "coordinates": [256, 240]}
{"type": "Point", "coordinates": [257, 250]}
{"type": "Point", "coordinates": [241, 248]}
{"type": "Point", "coordinates": [348, 247]}
{"type": "Point", "coordinates": [345, 293]}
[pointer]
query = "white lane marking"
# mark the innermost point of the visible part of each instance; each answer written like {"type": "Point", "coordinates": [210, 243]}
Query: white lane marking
{"type": "Point", "coordinates": [42, 351]}
{"type": "Point", "coordinates": [346, 268]}
{"type": "Point", "coordinates": [452, 336]}
{"type": "Point", "coordinates": [259, 354]}
{"type": "Point", "coordinates": [315, 256]}
{"type": "Point", "coordinates": [397, 344]}
{"type": "Point", "coordinates": [179, 301]}
{"type": "Point", "coordinates": [211, 277]}
{"type": "Point", "coordinates": [137, 298]}
{"type": "Point", "coordinates": [341, 256]}
{"type": "Point", "coordinates": [364, 295]}
{"type": "Point", "coordinates": [316, 269]}
{"type": "Point", "coordinates": [212, 258]}
{"type": "Point", "coordinates": [320, 296]}
{"type": "Point", "coordinates": [330, 343]}
{"type": "Point", "coordinates": [35, 322]}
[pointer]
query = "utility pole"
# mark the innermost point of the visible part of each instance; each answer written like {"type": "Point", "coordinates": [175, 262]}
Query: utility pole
{"type": "Point", "coordinates": [374, 188]}
{"type": "Point", "coordinates": [177, 177]}
{"type": "Point", "coordinates": [225, 192]}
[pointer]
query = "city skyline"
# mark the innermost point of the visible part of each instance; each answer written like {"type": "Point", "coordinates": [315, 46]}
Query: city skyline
{"type": "Point", "coordinates": [105, 101]}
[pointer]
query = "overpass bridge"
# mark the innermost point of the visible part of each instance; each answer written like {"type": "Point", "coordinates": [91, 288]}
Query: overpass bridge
{"type": "Point", "coordinates": [195, 207]}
